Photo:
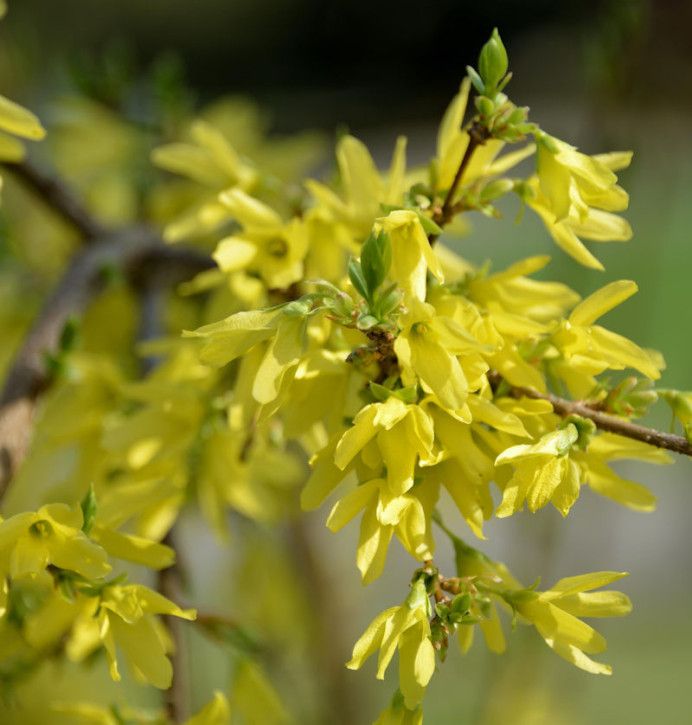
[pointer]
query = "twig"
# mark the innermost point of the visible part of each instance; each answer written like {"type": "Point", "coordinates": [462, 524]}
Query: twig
{"type": "Point", "coordinates": [176, 697]}
{"type": "Point", "coordinates": [325, 601]}
{"type": "Point", "coordinates": [478, 135]}
{"type": "Point", "coordinates": [56, 194]}
{"type": "Point", "coordinates": [603, 421]}
{"type": "Point", "coordinates": [137, 252]}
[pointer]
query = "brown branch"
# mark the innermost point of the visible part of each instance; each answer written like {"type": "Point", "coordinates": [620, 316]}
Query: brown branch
{"type": "Point", "coordinates": [330, 651]}
{"type": "Point", "coordinates": [603, 421]}
{"type": "Point", "coordinates": [56, 194]}
{"type": "Point", "coordinates": [137, 252]}
{"type": "Point", "coordinates": [478, 135]}
{"type": "Point", "coordinates": [177, 696]}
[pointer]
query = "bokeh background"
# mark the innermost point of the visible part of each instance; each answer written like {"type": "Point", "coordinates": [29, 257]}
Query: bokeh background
{"type": "Point", "coordinates": [603, 75]}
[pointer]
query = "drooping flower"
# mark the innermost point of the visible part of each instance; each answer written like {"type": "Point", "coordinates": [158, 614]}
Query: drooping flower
{"type": "Point", "coordinates": [125, 617]}
{"type": "Point", "coordinates": [406, 628]}
{"type": "Point", "coordinates": [555, 614]}
{"type": "Point", "coordinates": [543, 472]}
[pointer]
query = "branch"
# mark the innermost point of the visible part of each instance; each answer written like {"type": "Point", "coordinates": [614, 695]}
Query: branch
{"type": "Point", "coordinates": [330, 649]}
{"type": "Point", "coordinates": [603, 421]}
{"type": "Point", "coordinates": [176, 697]}
{"type": "Point", "coordinates": [56, 194]}
{"type": "Point", "coordinates": [137, 252]}
{"type": "Point", "coordinates": [478, 135]}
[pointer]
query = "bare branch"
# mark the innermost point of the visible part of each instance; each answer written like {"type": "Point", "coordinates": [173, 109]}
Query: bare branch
{"type": "Point", "coordinates": [56, 194]}
{"type": "Point", "coordinates": [137, 252]}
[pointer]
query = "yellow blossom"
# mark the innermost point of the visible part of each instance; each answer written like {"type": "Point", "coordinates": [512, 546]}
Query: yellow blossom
{"type": "Point", "coordinates": [31, 541]}
{"type": "Point", "coordinates": [543, 472]}
{"type": "Point", "coordinates": [555, 614]}
{"type": "Point", "coordinates": [124, 617]}
{"type": "Point", "coordinates": [407, 628]}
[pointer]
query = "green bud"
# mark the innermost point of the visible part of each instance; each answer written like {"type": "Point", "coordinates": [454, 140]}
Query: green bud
{"type": "Point", "coordinates": [89, 507]}
{"type": "Point", "coordinates": [492, 62]}
{"type": "Point", "coordinates": [484, 105]}
{"type": "Point", "coordinates": [496, 189]}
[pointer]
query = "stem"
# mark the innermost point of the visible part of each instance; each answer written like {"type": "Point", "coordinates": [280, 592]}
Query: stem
{"type": "Point", "coordinates": [604, 421]}
{"type": "Point", "coordinates": [478, 135]}
{"type": "Point", "coordinates": [176, 697]}
{"type": "Point", "coordinates": [330, 650]}
{"type": "Point", "coordinates": [57, 195]}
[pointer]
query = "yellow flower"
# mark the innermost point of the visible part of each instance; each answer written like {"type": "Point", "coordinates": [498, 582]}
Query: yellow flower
{"type": "Point", "coordinates": [265, 245]}
{"type": "Point", "coordinates": [407, 628]}
{"type": "Point", "coordinates": [364, 188]}
{"type": "Point", "coordinates": [383, 516]}
{"type": "Point", "coordinates": [543, 472]}
{"type": "Point", "coordinates": [555, 614]}
{"type": "Point", "coordinates": [412, 255]}
{"type": "Point", "coordinates": [607, 447]}
{"type": "Point", "coordinates": [428, 346]}
{"type": "Point", "coordinates": [452, 142]}
{"type": "Point", "coordinates": [591, 348]}
{"type": "Point", "coordinates": [403, 434]}
{"type": "Point", "coordinates": [570, 179]}
{"type": "Point", "coordinates": [284, 329]}
{"type": "Point", "coordinates": [17, 121]}
{"type": "Point", "coordinates": [124, 617]}
{"type": "Point", "coordinates": [574, 195]}
{"type": "Point", "coordinates": [31, 541]}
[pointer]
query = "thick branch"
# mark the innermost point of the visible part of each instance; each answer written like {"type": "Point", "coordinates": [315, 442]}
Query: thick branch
{"type": "Point", "coordinates": [138, 253]}
{"type": "Point", "coordinates": [607, 422]}
{"type": "Point", "coordinates": [55, 193]}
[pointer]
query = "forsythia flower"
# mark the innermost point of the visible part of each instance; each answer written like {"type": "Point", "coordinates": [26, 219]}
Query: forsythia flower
{"type": "Point", "coordinates": [266, 245]}
{"type": "Point", "coordinates": [124, 617]}
{"type": "Point", "coordinates": [412, 255]}
{"type": "Point", "coordinates": [575, 194]}
{"type": "Point", "coordinates": [428, 346]}
{"type": "Point", "coordinates": [364, 188]}
{"type": "Point", "coordinates": [591, 348]}
{"type": "Point", "coordinates": [407, 628]}
{"type": "Point", "coordinates": [542, 472]}
{"type": "Point", "coordinates": [555, 614]}
{"type": "Point", "coordinates": [284, 328]}
{"type": "Point", "coordinates": [383, 516]}
{"type": "Point", "coordinates": [31, 541]}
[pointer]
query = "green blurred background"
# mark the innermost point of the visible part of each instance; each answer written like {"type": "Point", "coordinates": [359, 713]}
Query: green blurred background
{"type": "Point", "coordinates": [603, 75]}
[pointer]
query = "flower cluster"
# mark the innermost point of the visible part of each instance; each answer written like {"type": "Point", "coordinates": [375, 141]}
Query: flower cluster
{"type": "Point", "coordinates": [335, 328]}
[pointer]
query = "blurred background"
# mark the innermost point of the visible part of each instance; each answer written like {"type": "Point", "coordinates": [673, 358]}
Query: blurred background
{"type": "Point", "coordinates": [602, 75]}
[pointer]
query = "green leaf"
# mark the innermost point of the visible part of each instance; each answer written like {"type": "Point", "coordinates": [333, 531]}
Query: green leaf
{"type": "Point", "coordinates": [89, 508]}
{"type": "Point", "coordinates": [355, 274]}
{"type": "Point", "coordinates": [475, 79]}
{"type": "Point", "coordinates": [375, 260]}
{"type": "Point", "coordinates": [429, 226]}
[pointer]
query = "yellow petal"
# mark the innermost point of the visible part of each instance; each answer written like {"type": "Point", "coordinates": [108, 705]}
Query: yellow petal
{"type": "Point", "coordinates": [216, 712]}
{"type": "Point", "coordinates": [17, 120]}
{"type": "Point", "coordinates": [603, 300]}
{"type": "Point", "coordinates": [369, 642]}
